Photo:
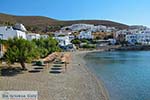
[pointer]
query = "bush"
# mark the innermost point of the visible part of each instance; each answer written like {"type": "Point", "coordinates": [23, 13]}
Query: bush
{"type": "Point", "coordinates": [84, 40]}
{"type": "Point", "coordinates": [76, 41]}
{"type": "Point", "coordinates": [88, 46]}
{"type": "Point", "coordinates": [20, 50]}
{"type": "Point", "coordinates": [61, 35]}
{"type": "Point", "coordinates": [46, 46]}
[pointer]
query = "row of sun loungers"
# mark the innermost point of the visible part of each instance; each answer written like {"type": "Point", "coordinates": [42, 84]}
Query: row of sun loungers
{"type": "Point", "coordinates": [51, 57]}
{"type": "Point", "coordinates": [66, 58]}
{"type": "Point", "coordinates": [57, 58]}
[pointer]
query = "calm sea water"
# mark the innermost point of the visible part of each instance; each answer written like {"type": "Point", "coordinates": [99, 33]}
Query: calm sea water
{"type": "Point", "coordinates": [126, 75]}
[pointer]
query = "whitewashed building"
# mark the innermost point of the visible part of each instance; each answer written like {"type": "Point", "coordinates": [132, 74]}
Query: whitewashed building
{"type": "Point", "coordinates": [142, 38]}
{"type": "Point", "coordinates": [63, 40]}
{"type": "Point", "coordinates": [112, 41]}
{"type": "Point", "coordinates": [77, 27]}
{"type": "Point", "coordinates": [89, 27]}
{"type": "Point", "coordinates": [7, 32]}
{"type": "Point", "coordinates": [85, 35]}
{"type": "Point", "coordinates": [44, 36]}
{"type": "Point", "coordinates": [131, 38]}
{"type": "Point", "coordinates": [31, 36]}
{"type": "Point", "coordinates": [21, 27]}
{"type": "Point", "coordinates": [62, 33]}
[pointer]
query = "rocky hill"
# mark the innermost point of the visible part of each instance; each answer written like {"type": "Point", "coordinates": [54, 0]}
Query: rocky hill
{"type": "Point", "coordinates": [42, 24]}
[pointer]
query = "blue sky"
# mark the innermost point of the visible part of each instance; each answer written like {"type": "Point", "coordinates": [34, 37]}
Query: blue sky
{"type": "Point", "coordinates": [125, 11]}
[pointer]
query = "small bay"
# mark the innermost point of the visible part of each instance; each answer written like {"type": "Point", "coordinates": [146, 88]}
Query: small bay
{"type": "Point", "coordinates": [125, 74]}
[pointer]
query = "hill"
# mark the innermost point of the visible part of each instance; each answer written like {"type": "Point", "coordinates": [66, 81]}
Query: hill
{"type": "Point", "coordinates": [44, 24]}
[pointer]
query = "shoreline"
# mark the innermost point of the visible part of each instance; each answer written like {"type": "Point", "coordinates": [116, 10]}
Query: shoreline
{"type": "Point", "coordinates": [80, 55]}
{"type": "Point", "coordinates": [134, 48]}
{"type": "Point", "coordinates": [76, 83]}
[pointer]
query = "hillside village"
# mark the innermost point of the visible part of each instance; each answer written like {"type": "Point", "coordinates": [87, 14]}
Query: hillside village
{"type": "Point", "coordinates": [83, 35]}
{"type": "Point", "coordinates": [110, 35]}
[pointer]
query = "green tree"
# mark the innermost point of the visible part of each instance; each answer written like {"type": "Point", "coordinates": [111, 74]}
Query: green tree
{"type": "Point", "coordinates": [7, 23]}
{"type": "Point", "coordinates": [20, 50]}
{"type": "Point", "coordinates": [76, 41]}
{"type": "Point", "coordinates": [84, 41]}
{"type": "Point", "coordinates": [46, 46]}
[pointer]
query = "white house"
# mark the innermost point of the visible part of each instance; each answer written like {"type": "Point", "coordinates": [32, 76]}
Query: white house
{"type": "Point", "coordinates": [85, 35]}
{"type": "Point", "coordinates": [31, 36]}
{"type": "Point", "coordinates": [89, 27]}
{"type": "Point", "coordinates": [77, 27]}
{"type": "Point", "coordinates": [131, 38]}
{"type": "Point", "coordinates": [62, 33]}
{"type": "Point", "coordinates": [21, 27]}
{"type": "Point", "coordinates": [142, 38]}
{"type": "Point", "coordinates": [63, 40]}
{"type": "Point", "coordinates": [112, 41]}
{"type": "Point", "coordinates": [9, 32]}
{"type": "Point", "coordinates": [71, 37]}
{"type": "Point", "coordinates": [44, 36]}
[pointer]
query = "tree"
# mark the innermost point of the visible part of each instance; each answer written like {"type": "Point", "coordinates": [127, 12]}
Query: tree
{"type": "Point", "coordinates": [84, 41]}
{"type": "Point", "coordinates": [7, 23]}
{"type": "Point", "coordinates": [46, 46]}
{"type": "Point", "coordinates": [20, 50]}
{"type": "Point", "coordinates": [76, 41]}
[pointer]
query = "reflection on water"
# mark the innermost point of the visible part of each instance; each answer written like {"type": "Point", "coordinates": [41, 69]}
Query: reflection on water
{"type": "Point", "coordinates": [126, 75]}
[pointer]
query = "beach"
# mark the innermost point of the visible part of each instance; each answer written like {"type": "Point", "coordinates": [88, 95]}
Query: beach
{"type": "Point", "coordinates": [76, 83]}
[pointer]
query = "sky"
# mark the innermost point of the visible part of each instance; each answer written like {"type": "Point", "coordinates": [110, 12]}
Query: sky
{"type": "Point", "coordinates": [131, 12]}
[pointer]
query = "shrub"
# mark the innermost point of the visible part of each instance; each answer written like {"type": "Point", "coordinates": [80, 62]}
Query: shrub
{"type": "Point", "coordinates": [88, 46]}
{"type": "Point", "coordinates": [20, 50]}
{"type": "Point", "coordinates": [46, 46]}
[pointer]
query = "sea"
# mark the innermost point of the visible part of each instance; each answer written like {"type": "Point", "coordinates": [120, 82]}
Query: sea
{"type": "Point", "coordinates": [125, 74]}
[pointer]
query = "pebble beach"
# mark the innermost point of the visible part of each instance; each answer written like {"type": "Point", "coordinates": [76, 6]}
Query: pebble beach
{"type": "Point", "coordinates": [75, 83]}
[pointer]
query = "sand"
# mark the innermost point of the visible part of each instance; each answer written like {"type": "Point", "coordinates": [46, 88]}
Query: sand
{"type": "Point", "coordinates": [77, 83]}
